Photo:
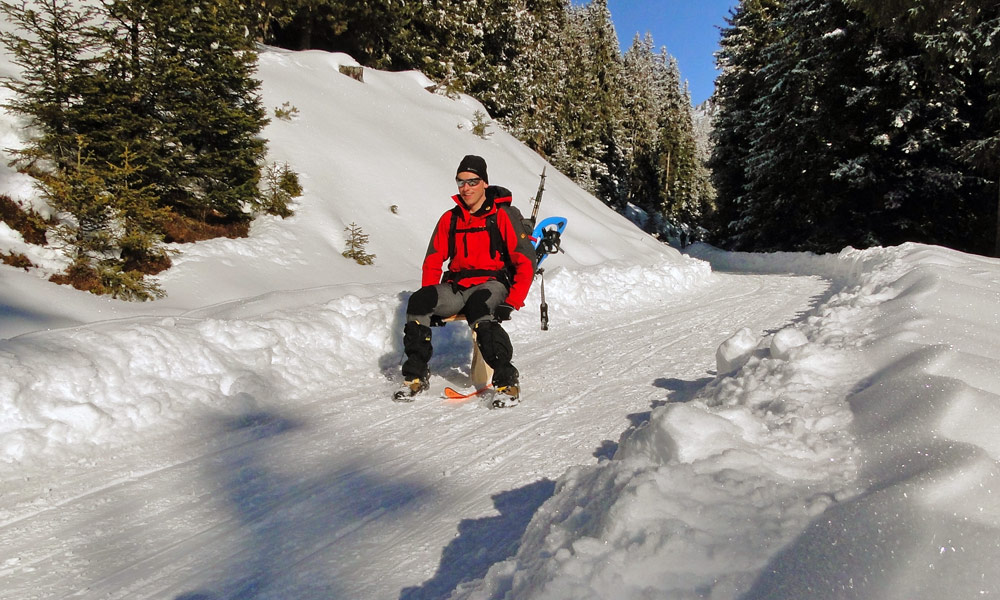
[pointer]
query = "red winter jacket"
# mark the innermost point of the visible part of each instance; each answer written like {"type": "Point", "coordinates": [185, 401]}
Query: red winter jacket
{"type": "Point", "coordinates": [472, 248]}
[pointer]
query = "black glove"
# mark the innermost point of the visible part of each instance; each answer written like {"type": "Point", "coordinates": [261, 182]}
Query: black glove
{"type": "Point", "coordinates": [502, 312]}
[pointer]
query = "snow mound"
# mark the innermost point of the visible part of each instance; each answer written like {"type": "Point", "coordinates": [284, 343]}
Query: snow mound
{"type": "Point", "coordinates": [865, 439]}
{"type": "Point", "coordinates": [735, 352]}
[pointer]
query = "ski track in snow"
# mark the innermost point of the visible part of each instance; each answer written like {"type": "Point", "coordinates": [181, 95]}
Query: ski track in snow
{"type": "Point", "coordinates": [354, 496]}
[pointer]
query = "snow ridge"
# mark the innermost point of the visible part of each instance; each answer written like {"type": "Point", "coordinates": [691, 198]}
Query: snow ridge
{"type": "Point", "coordinates": [828, 448]}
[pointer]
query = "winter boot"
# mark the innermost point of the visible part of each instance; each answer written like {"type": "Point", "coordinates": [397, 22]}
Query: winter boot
{"type": "Point", "coordinates": [410, 389]}
{"type": "Point", "coordinates": [506, 396]}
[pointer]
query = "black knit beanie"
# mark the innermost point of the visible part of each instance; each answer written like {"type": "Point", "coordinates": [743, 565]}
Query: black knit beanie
{"type": "Point", "coordinates": [473, 164]}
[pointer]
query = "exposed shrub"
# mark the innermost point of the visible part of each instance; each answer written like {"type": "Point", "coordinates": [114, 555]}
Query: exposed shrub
{"type": "Point", "coordinates": [16, 259]}
{"type": "Point", "coordinates": [185, 230]}
{"type": "Point", "coordinates": [354, 72]}
{"type": "Point", "coordinates": [27, 222]}
{"type": "Point", "coordinates": [81, 275]}
{"type": "Point", "coordinates": [108, 278]}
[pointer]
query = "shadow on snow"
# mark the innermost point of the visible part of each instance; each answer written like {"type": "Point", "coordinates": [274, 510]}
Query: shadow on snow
{"type": "Point", "coordinates": [483, 542]}
{"type": "Point", "coordinates": [286, 527]}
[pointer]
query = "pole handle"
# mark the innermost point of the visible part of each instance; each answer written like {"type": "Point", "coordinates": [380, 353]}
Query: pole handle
{"type": "Point", "coordinates": [544, 307]}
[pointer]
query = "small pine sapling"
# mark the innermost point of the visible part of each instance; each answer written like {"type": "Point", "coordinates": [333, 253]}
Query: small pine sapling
{"type": "Point", "coordinates": [481, 126]}
{"type": "Point", "coordinates": [356, 242]}
{"type": "Point", "coordinates": [279, 186]}
{"type": "Point", "coordinates": [286, 112]}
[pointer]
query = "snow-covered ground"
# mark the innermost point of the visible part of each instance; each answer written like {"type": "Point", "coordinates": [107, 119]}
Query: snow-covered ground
{"type": "Point", "coordinates": [713, 425]}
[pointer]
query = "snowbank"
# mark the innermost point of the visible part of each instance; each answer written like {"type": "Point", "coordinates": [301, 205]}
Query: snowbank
{"type": "Point", "coordinates": [67, 393]}
{"type": "Point", "coordinates": [858, 458]}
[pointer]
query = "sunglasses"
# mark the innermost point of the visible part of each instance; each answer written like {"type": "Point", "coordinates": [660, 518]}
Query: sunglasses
{"type": "Point", "coordinates": [469, 182]}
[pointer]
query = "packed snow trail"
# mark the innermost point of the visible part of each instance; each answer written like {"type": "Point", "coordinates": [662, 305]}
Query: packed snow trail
{"type": "Point", "coordinates": [354, 496]}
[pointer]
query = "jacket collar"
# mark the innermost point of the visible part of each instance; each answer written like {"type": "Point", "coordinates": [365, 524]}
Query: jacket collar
{"type": "Point", "coordinates": [494, 195]}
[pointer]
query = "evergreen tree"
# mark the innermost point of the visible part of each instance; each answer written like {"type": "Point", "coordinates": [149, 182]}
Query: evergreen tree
{"type": "Point", "coordinates": [536, 86]}
{"type": "Point", "coordinates": [445, 38]}
{"type": "Point", "coordinates": [108, 220]}
{"type": "Point", "coordinates": [666, 177]}
{"type": "Point", "coordinates": [369, 30]}
{"type": "Point", "coordinates": [679, 170]}
{"type": "Point", "coordinates": [917, 119]}
{"type": "Point", "coordinates": [265, 17]}
{"type": "Point", "coordinates": [532, 80]}
{"type": "Point", "coordinates": [78, 192]}
{"type": "Point", "coordinates": [800, 128]}
{"type": "Point", "coordinates": [949, 47]}
{"type": "Point", "coordinates": [139, 217]}
{"type": "Point", "coordinates": [804, 124]}
{"type": "Point", "coordinates": [121, 115]}
{"type": "Point", "coordinates": [610, 170]}
{"type": "Point", "coordinates": [203, 90]}
{"type": "Point", "coordinates": [107, 226]}
{"type": "Point", "coordinates": [51, 44]}
{"type": "Point", "coordinates": [643, 106]}
{"type": "Point", "coordinates": [740, 59]}
{"type": "Point", "coordinates": [137, 106]}
{"type": "Point", "coordinates": [489, 77]}
{"type": "Point", "coordinates": [591, 106]}
{"type": "Point", "coordinates": [849, 123]}
{"type": "Point", "coordinates": [175, 86]}
{"type": "Point", "coordinates": [354, 247]}
{"type": "Point", "coordinates": [574, 137]}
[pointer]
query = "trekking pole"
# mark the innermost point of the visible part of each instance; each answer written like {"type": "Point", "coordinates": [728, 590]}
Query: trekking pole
{"type": "Point", "coordinates": [544, 308]}
{"type": "Point", "coordinates": [538, 198]}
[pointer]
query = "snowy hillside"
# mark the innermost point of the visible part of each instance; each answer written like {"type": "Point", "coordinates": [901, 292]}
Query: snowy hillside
{"type": "Point", "coordinates": [716, 426]}
{"type": "Point", "coordinates": [360, 149]}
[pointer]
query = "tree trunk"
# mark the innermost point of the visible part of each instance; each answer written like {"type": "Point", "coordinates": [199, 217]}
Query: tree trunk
{"type": "Point", "coordinates": [666, 188]}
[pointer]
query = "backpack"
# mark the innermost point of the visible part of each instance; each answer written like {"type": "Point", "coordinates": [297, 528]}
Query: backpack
{"type": "Point", "coordinates": [522, 229]}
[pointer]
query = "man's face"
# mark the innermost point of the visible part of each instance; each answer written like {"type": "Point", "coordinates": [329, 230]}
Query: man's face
{"type": "Point", "coordinates": [472, 189]}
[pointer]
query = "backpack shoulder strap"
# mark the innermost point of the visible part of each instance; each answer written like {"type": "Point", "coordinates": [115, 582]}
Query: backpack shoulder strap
{"type": "Point", "coordinates": [497, 237]}
{"type": "Point", "coordinates": [455, 213]}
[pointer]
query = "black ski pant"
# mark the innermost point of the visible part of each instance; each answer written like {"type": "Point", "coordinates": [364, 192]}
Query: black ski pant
{"type": "Point", "coordinates": [477, 303]}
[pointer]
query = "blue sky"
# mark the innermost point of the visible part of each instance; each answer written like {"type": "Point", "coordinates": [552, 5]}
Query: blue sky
{"type": "Point", "coordinates": [688, 29]}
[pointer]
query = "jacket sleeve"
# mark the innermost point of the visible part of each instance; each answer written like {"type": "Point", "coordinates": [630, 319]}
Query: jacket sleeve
{"type": "Point", "coordinates": [437, 252]}
{"type": "Point", "coordinates": [524, 266]}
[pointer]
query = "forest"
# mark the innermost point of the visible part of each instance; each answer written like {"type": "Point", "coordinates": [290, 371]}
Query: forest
{"type": "Point", "coordinates": [845, 122]}
{"type": "Point", "coordinates": [144, 121]}
{"type": "Point", "coordinates": [835, 122]}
